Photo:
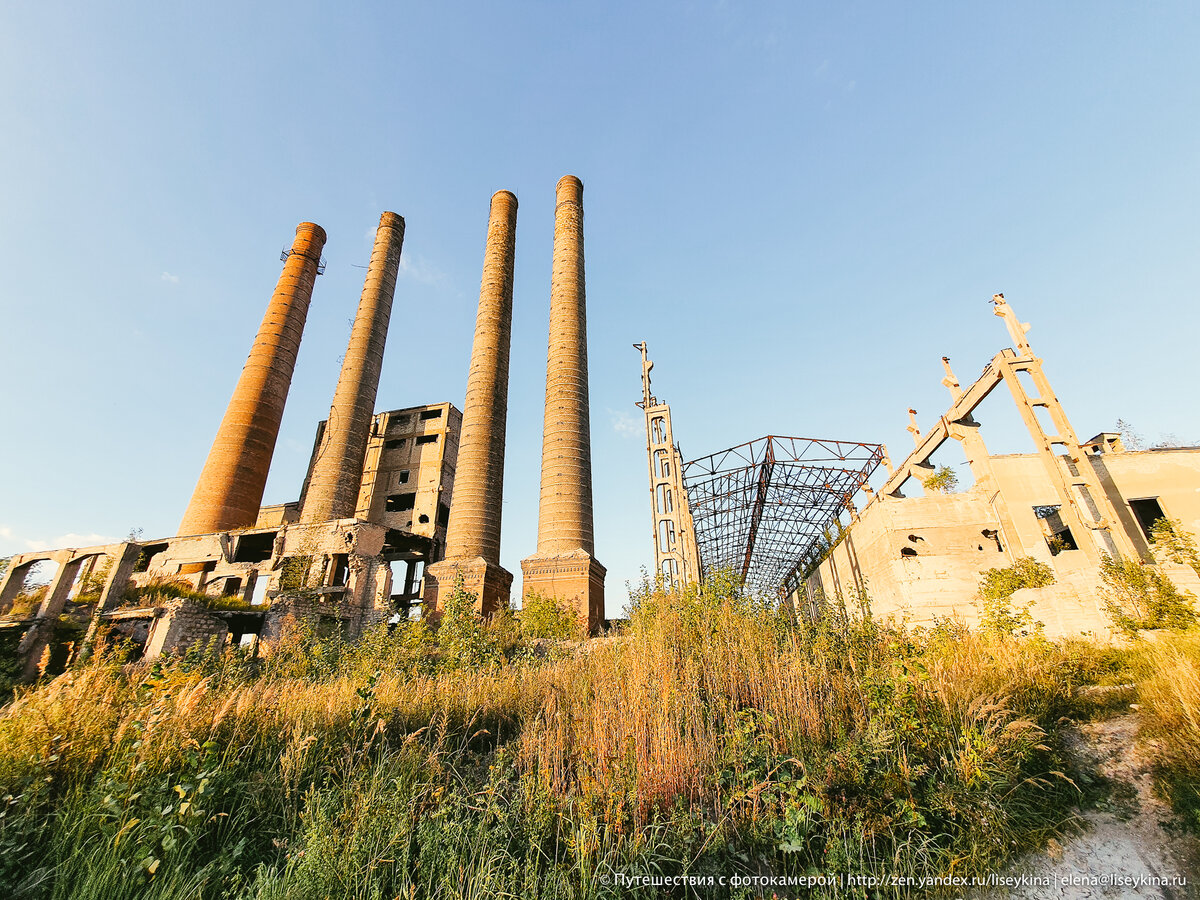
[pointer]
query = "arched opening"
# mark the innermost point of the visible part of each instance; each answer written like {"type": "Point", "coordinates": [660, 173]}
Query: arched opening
{"type": "Point", "coordinates": [29, 586]}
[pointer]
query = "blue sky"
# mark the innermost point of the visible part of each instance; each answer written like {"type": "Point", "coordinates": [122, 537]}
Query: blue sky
{"type": "Point", "coordinates": [800, 206]}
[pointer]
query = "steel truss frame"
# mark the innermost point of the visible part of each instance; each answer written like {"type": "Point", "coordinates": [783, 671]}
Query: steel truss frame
{"type": "Point", "coordinates": [765, 508]}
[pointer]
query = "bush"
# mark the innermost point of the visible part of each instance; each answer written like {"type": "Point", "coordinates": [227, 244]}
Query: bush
{"type": "Point", "coordinates": [1137, 597]}
{"type": "Point", "coordinates": [997, 614]}
{"type": "Point", "coordinates": [545, 617]}
{"type": "Point", "coordinates": [1169, 540]}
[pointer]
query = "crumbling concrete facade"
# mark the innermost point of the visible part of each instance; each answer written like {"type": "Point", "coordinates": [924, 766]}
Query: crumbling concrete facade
{"type": "Point", "coordinates": [376, 505]}
{"type": "Point", "coordinates": [473, 534]}
{"type": "Point", "coordinates": [1066, 505]}
{"type": "Point", "coordinates": [564, 566]}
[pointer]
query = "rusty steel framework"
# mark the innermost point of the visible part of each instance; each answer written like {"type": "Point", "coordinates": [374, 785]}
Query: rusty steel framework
{"type": "Point", "coordinates": [766, 508]}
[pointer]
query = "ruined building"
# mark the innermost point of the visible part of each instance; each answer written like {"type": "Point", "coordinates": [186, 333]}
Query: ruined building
{"type": "Point", "coordinates": [781, 512]}
{"type": "Point", "coordinates": [1066, 505]}
{"type": "Point", "coordinates": [379, 502]}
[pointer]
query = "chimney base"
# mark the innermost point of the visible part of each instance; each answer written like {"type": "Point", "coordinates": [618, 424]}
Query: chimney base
{"type": "Point", "coordinates": [491, 585]}
{"type": "Point", "coordinates": [573, 578]}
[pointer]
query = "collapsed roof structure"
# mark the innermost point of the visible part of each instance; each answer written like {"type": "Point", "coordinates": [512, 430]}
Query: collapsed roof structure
{"type": "Point", "coordinates": [765, 509]}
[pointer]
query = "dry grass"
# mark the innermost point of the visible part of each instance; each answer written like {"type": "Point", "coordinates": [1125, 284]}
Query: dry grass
{"type": "Point", "coordinates": [710, 736]}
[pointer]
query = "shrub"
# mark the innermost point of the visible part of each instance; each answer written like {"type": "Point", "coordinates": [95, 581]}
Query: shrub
{"type": "Point", "coordinates": [943, 481]}
{"type": "Point", "coordinates": [1169, 539]}
{"type": "Point", "coordinates": [1137, 597]}
{"type": "Point", "coordinates": [545, 617]}
{"type": "Point", "coordinates": [997, 613]}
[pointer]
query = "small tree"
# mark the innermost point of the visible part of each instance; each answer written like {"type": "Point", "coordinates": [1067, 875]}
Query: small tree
{"type": "Point", "coordinates": [943, 481]}
{"type": "Point", "coordinates": [997, 612]}
{"type": "Point", "coordinates": [1137, 597]}
{"type": "Point", "coordinates": [461, 635]}
{"type": "Point", "coordinates": [1129, 436]}
{"type": "Point", "coordinates": [1169, 541]}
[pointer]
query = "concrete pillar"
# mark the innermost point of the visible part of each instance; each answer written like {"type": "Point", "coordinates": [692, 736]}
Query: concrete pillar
{"type": "Point", "coordinates": [12, 582]}
{"type": "Point", "coordinates": [473, 533]}
{"type": "Point", "coordinates": [231, 484]}
{"type": "Point", "coordinates": [122, 562]}
{"type": "Point", "coordinates": [41, 629]}
{"type": "Point", "coordinates": [563, 566]}
{"type": "Point", "coordinates": [337, 473]}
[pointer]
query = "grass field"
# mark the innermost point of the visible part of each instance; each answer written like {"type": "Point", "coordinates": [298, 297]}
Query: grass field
{"type": "Point", "coordinates": [710, 737]}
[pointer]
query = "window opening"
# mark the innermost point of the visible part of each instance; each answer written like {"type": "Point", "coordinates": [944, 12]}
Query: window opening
{"type": "Point", "coordinates": [1148, 511]}
{"type": "Point", "coordinates": [401, 502]}
{"type": "Point", "coordinates": [341, 570]}
{"type": "Point", "coordinates": [252, 548]}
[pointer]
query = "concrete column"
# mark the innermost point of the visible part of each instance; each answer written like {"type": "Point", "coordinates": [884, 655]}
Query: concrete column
{"type": "Point", "coordinates": [563, 566]}
{"type": "Point", "coordinates": [337, 473]}
{"type": "Point", "coordinates": [122, 562]}
{"type": "Point", "coordinates": [473, 533]}
{"type": "Point", "coordinates": [231, 484]}
{"type": "Point", "coordinates": [41, 629]}
{"type": "Point", "coordinates": [12, 582]}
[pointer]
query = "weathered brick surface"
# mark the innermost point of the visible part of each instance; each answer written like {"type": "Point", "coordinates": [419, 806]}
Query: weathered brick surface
{"type": "Point", "coordinates": [337, 473]}
{"type": "Point", "coordinates": [231, 484]}
{"type": "Point", "coordinates": [474, 528]}
{"type": "Point", "coordinates": [184, 624]}
{"type": "Point", "coordinates": [563, 566]}
{"type": "Point", "coordinates": [473, 533]}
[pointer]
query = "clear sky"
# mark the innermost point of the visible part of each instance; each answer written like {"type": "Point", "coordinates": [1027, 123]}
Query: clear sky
{"type": "Point", "coordinates": [801, 207]}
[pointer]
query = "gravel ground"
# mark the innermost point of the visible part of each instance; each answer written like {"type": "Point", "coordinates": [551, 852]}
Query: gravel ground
{"type": "Point", "coordinates": [1128, 847]}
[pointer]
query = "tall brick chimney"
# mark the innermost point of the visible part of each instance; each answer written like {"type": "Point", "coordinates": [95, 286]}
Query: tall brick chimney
{"type": "Point", "coordinates": [337, 473]}
{"type": "Point", "coordinates": [231, 484]}
{"type": "Point", "coordinates": [473, 534]}
{"type": "Point", "coordinates": [564, 566]}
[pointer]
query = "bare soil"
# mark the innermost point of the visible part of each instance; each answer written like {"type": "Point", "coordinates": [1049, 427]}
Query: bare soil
{"type": "Point", "coordinates": [1129, 844]}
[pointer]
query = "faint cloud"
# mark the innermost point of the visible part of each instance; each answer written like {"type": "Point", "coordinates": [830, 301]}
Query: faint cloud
{"type": "Point", "coordinates": [421, 271]}
{"type": "Point", "coordinates": [11, 542]}
{"type": "Point", "coordinates": [624, 424]}
{"type": "Point", "coordinates": [71, 539]}
{"type": "Point", "coordinates": [169, 278]}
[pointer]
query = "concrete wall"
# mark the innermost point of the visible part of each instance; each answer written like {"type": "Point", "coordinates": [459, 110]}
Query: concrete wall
{"type": "Point", "coordinates": [918, 558]}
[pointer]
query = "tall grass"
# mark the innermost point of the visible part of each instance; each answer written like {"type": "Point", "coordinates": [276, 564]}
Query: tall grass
{"type": "Point", "coordinates": [712, 736]}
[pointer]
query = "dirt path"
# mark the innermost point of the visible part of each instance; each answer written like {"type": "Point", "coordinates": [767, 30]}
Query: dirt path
{"type": "Point", "coordinates": [1130, 837]}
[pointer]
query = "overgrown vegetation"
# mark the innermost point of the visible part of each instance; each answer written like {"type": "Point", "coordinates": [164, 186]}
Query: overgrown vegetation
{"type": "Point", "coordinates": [943, 481]}
{"type": "Point", "coordinates": [544, 617]}
{"type": "Point", "coordinates": [1138, 597]}
{"type": "Point", "coordinates": [998, 613]}
{"type": "Point", "coordinates": [713, 737]}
